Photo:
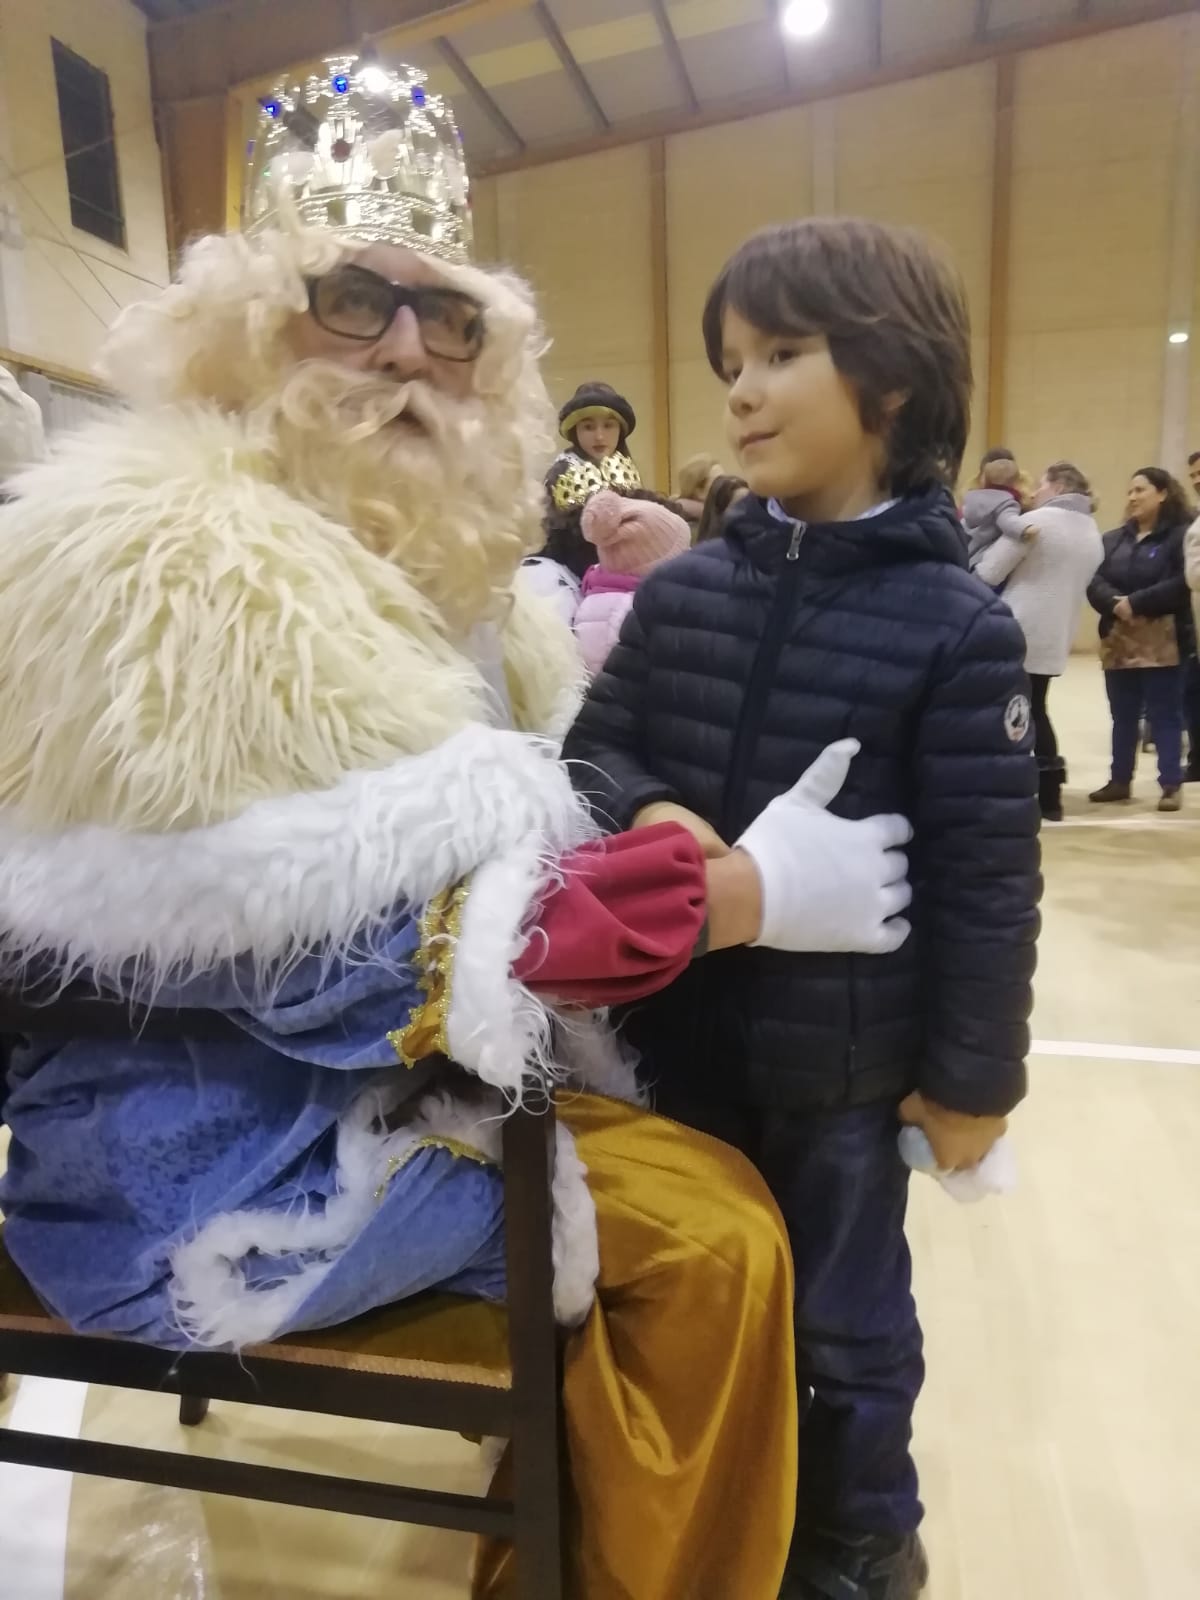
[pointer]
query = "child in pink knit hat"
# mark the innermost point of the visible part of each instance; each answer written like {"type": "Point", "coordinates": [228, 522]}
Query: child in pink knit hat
{"type": "Point", "coordinates": [632, 537]}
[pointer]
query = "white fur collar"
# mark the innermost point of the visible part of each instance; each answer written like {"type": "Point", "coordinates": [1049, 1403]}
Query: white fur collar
{"type": "Point", "coordinates": [181, 638]}
{"type": "Point", "coordinates": [287, 873]}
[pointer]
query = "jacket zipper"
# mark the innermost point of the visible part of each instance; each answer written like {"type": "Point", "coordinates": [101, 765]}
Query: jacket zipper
{"type": "Point", "coordinates": [749, 726]}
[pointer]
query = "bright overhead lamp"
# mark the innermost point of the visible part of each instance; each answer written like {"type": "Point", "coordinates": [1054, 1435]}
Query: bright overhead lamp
{"type": "Point", "coordinates": [375, 80]}
{"type": "Point", "coordinates": [804, 19]}
{"type": "Point", "coordinates": [1178, 337]}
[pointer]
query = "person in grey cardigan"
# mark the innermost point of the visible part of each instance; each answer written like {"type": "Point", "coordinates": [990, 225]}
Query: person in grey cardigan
{"type": "Point", "coordinates": [992, 507]}
{"type": "Point", "coordinates": [1046, 584]}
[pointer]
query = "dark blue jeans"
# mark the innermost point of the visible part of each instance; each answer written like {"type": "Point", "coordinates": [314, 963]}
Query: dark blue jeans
{"type": "Point", "coordinates": [842, 1187]}
{"type": "Point", "coordinates": [1191, 711]}
{"type": "Point", "coordinates": [1160, 691]}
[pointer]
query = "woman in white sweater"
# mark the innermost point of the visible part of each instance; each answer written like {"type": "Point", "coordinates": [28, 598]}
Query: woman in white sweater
{"type": "Point", "coordinates": [1046, 585]}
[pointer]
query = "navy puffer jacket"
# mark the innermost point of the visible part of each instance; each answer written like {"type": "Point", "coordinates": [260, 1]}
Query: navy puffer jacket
{"type": "Point", "coordinates": [738, 664]}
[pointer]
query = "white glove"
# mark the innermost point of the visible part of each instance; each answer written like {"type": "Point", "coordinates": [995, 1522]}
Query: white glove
{"type": "Point", "coordinates": [995, 1174]}
{"type": "Point", "coordinates": [829, 884]}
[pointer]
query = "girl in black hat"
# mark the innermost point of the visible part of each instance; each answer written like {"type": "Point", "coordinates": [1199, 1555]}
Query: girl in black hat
{"type": "Point", "coordinates": [595, 424]}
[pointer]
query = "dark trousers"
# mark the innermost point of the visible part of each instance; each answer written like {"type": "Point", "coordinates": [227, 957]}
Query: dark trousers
{"type": "Point", "coordinates": [842, 1187]}
{"type": "Point", "coordinates": [1045, 746]}
{"type": "Point", "coordinates": [1159, 690]}
{"type": "Point", "coordinates": [1191, 711]}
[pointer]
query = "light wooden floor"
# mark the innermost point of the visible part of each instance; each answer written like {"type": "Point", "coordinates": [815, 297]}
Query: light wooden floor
{"type": "Point", "coordinates": [1059, 1433]}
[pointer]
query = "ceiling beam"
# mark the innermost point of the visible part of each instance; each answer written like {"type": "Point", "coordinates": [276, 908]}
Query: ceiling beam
{"type": "Point", "coordinates": [785, 55]}
{"type": "Point", "coordinates": [876, 26]}
{"type": "Point", "coordinates": [675, 54]}
{"type": "Point", "coordinates": [569, 64]}
{"type": "Point", "coordinates": [757, 104]}
{"type": "Point", "coordinates": [478, 93]}
{"type": "Point", "coordinates": [247, 47]}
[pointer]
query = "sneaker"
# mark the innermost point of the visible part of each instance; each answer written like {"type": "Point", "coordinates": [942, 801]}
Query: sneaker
{"type": "Point", "coordinates": [873, 1567]}
{"type": "Point", "coordinates": [1111, 791]}
{"type": "Point", "coordinates": [1171, 800]}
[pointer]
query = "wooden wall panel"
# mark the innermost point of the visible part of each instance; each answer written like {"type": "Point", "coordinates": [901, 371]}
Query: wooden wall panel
{"type": "Point", "coordinates": [895, 163]}
{"type": "Point", "coordinates": [1093, 146]}
{"type": "Point", "coordinates": [722, 185]}
{"type": "Point", "coordinates": [580, 232]}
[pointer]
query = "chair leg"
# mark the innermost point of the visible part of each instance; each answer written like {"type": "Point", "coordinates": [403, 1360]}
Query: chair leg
{"type": "Point", "coordinates": [537, 1438]}
{"type": "Point", "coordinates": [193, 1409]}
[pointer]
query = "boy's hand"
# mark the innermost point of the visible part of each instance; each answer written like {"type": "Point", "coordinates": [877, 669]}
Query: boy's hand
{"type": "Point", "coordinates": [709, 840]}
{"type": "Point", "coordinates": [1029, 534]}
{"type": "Point", "coordinates": [1122, 610]}
{"type": "Point", "coordinates": [957, 1140]}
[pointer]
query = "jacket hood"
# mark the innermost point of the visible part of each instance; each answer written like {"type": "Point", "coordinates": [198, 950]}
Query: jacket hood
{"type": "Point", "coordinates": [922, 527]}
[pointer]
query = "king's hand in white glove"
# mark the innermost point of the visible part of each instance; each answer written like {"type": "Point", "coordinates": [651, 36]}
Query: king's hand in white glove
{"type": "Point", "coordinates": [829, 884]}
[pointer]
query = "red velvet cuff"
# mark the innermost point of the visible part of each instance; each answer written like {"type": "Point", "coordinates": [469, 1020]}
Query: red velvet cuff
{"type": "Point", "coordinates": [625, 922]}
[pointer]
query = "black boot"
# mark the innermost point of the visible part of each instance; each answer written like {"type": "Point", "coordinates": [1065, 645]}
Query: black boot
{"type": "Point", "coordinates": [1051, 778]}
{"type": "Point", "coordinates": [872, 1567]}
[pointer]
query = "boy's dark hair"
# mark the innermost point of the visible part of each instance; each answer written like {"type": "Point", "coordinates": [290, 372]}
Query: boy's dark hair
{"type": "Point", "coordinates": [1193, 458]}
{"type": "Point", "coordinates": [1174, 508]}
{"type": "Point", "coordinates": [896, 319]}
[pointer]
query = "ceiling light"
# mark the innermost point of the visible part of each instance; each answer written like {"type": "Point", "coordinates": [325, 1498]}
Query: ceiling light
{"type": "Point", "coordinates": [1179, 337]}
{"type": "Point", "coordinates": [375, 80]}
{"type": "Point", "coordinates": [803, 19]}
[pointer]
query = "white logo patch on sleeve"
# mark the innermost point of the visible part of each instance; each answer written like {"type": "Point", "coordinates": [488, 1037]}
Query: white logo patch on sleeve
{"type": "Point", "coordinates": [1016, 717]}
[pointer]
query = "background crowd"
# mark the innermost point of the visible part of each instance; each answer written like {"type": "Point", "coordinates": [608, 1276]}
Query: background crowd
{"type": "Point", "coordinates": [1037, 542]}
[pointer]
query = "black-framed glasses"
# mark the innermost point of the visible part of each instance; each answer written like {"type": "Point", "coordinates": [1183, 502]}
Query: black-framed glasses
{"type": "Point", "coordinates": [356, 303]}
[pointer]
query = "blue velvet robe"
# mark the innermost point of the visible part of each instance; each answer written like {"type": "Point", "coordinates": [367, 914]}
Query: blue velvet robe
{"type": "Point", "coordinates": [122, 1152]}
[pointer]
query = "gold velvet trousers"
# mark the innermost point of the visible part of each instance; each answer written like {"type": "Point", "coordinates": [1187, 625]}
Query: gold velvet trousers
{"type": "Point", "coordinates": [680, 1390]}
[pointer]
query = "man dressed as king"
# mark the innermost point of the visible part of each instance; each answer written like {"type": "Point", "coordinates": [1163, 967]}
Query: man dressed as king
{"type": "Point", "coordinates": [278, 742]}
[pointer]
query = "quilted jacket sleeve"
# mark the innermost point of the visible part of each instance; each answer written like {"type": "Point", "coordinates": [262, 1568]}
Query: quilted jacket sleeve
{"type": "Point", "coordinates": [1169, 594]}
{"type": "Point", "coordinates": [604, 749]}
{"type": "Point", "coordinates": [1102, 592]}
{"type": "Point", "coordinates": [976, 864]}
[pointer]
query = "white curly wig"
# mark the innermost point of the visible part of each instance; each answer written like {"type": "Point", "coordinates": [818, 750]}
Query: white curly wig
{"type": "Point", "coordinates": [457, 509]}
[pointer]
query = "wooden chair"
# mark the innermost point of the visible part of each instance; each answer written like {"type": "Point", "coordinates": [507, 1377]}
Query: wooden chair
{"type": "Point", "coordinates": [436, 1361]}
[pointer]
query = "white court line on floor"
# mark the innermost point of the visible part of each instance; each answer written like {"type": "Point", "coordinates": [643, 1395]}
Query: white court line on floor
{"type": "Point", "coordinates": [1115, 1052]}
{"type": "Point", "coordinates": [1150, 821]}
{"type": "Point", "coordinates": [35, 1504]}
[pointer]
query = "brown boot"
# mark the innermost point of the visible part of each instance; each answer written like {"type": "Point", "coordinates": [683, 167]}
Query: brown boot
{"type": "Point", "coordinates": [1112, 791]}
{"type": "Point", "coordinates": [1172, 800]}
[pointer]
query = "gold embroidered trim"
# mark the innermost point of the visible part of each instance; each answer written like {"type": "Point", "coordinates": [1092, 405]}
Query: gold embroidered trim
{"type": "Point", "coordinates": [580, 482]}
{"type": "Point", "coordinates": [431, 1141]}
{"type": "Point", "coordinates": [441, 929]}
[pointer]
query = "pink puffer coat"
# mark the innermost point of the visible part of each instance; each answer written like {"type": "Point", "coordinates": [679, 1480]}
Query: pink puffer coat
{"type": "Point", "coordinates": [607, 598]}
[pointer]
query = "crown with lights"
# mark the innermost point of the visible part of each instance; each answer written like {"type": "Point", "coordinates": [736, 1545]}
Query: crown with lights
{"type": "Point", "coordinates": [366, 151]}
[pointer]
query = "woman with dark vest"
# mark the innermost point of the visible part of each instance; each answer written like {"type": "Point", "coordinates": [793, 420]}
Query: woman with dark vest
{"type": "Point", "coordinates": [1141, 594]}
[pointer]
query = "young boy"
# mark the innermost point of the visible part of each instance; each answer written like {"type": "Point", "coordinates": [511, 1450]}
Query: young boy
{"type": "Point", "coordinates": [837, 604]}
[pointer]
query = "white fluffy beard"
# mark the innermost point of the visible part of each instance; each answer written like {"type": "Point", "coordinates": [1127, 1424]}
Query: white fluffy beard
{"type": "Point", "coordinates": [439, 486]}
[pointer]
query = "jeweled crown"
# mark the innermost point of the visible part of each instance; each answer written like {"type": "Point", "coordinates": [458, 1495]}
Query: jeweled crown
{"type": "Point", "coordinates": [364, 150]}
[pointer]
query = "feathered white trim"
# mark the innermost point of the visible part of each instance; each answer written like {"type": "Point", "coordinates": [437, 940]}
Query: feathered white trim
{"type": "Point", "coordinates": [216, 1309]}
{"type": "Point", "coordinates": [575, 1241]}
{"type": "Point", "coordinates": [494, 1026]}
{"type": "Point", "coordinates": [290, 873]}
{"type": "Point", "coordinates": [595, 1057]}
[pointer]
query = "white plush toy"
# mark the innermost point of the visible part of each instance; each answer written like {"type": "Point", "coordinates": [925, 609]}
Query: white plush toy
{"type": "Point", "coordinates": [995, 1174]}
